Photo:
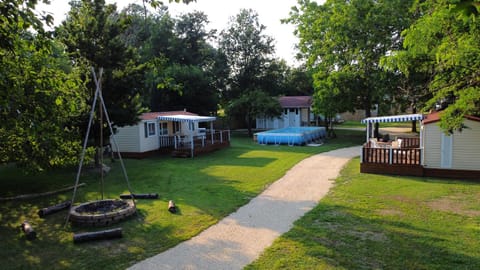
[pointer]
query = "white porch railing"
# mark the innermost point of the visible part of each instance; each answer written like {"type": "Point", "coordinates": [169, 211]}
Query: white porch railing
{"type": "Point", "coordinates": [203, 140]}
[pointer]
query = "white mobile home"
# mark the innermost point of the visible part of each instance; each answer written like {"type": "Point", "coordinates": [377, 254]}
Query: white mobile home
{"type": "Point", "coordinates": [178, 130]}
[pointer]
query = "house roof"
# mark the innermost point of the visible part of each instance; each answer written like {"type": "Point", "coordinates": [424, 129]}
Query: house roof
{"type": "Point", "coordinates": [393, 118]}
{"type": "Point", "coordinates": [155, 115]}
{"type": "Point", "coordinates": [435, 117]}
{"type": "Point", "coordinates": [295, 101]}
{"type": "Point", "coordinates": [186, 118]}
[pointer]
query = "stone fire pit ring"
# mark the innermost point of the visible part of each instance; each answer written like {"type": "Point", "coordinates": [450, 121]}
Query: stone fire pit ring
{"type": "Point", "coordinates": [102, 212]}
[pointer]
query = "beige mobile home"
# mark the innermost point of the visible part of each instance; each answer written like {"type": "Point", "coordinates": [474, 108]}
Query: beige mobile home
{"type": "Point", "coordinates": [433, 153]}
{"type": "Point", "coordinates": [451, 153]}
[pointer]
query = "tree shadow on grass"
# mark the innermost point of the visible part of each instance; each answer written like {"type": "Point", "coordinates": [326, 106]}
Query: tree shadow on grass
{"type": "Point", "coordinates": [53, 247]}
{"type": "Point", "coordinates": [333, 234]}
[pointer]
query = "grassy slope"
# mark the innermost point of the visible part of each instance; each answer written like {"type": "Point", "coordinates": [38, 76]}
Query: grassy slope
{"type": "Point", "coordinates": [384, 222]}
{"type": "Point", "coordinates": [205, 189]}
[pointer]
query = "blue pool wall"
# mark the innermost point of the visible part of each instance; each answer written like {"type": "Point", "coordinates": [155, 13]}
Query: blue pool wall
{"type": "Point", "coordinates": [291, 135]}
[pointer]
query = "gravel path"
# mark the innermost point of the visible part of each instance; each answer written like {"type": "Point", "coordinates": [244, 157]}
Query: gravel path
{"type": "Point", "coordinates": [241, 237]}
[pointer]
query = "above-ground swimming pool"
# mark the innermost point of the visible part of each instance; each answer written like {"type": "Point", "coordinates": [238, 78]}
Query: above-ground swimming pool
{"type": "Point", "coordinates": [291, 135]}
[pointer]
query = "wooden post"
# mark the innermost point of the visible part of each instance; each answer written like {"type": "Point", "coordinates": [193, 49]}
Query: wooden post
{"type": "Point", "coordinates": [100, 235]}
{"type": "Point", "coordinates": [27, 229]}
{"type": "Point", "coordinates": [140, 196]}
{"type": "Point", "coordinates": [171, 207]}
{"type": "Point", "coordinates": [192, 146]}
{"type": "Point", "coordinates": [390, 156]}
{"type": "Point", "coordinates": [211, 132]}
{"type": "Point", "coordinates": [53, 209]}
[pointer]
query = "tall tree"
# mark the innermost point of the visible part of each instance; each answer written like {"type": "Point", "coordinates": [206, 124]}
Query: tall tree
{"type": "Point", "coordinates": [447, 38]}
{"type": "Point", "coordinates": [343, 42]}
{"type": "Point", "coordinates": [41, 95]}
{"type": "Point", "coordinates": [92, 33]}
{"type": "Point", "coordinates": [248, 54]}
{"type": "Point", "coordinates": [193, 65]}
{"type": "Point", "coordinates": [181, 70]}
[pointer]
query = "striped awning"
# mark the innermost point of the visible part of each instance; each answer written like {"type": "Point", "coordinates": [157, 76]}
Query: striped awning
{"type": "Point", "coordinates": [394, 118]}
{"type": "Point", "coordinates": [187, 118]}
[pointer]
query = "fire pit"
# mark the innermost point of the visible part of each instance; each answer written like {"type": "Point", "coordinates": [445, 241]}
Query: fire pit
{"type": "Point", "coordinates": [101, 213]}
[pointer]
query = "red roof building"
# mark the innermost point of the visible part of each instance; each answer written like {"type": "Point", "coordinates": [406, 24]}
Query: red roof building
{"type": "Point", "coordinates": [295, 101]}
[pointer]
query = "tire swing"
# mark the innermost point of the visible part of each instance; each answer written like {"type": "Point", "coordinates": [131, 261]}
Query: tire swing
{"type": "Point", "coordinates": [102, 212]}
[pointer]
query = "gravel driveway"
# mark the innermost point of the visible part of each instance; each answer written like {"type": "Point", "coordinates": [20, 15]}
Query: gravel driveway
{"type": "Point", "coordinates": [241, 237]}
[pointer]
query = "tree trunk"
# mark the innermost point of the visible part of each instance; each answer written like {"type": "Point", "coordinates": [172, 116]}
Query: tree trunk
{"type": "Point", "coordinates": [54, 208]}
{"type": "Point", "coordinates": [100, 235]}
{"type": "Point", "coordinates": [249, 126]}
{"type": "Point", "coordinates": [376, 131]}
{"type": "Point", "coordinates": [414, 123]}
{"type": "Point", "coordinates": [368, 113]}
{"type": "Point", "coordinates": [140, 196]}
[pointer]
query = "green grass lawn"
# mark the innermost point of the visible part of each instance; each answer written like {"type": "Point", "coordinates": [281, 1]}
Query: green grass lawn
{"type": "Point", "coordinates": [205, 189]}
{"type": "Point", "coordinates": [384, 222]}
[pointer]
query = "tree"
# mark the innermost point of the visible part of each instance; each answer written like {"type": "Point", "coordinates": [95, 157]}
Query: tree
{"type": "Point", "coordinates": [193, 65]}
{"type": "Point", "coordinates": [41, 95]}
{"type": "Point", "coordinates": [92, 34]}
{"type": "Point", "coordinates": [328, 93]}
{"type": "Point", "coordinates": [446, 37]}
{"type": "Point", "coordinates": [181, 65]}
{"type": "Point", "coordinates": [247, 51]}
{"type": "Point", "coordinates": [413, 75]}
{"type": "Point", "coordinates": [248, 55]}
{"type": "Point", "coordinates": [343, 42]}
{"type": "Point", "coordinates": [19, 16]}
{"type": "Point", "coordinates": [251, 105]}
{"type": "Point", "coordinates": [299, 82]}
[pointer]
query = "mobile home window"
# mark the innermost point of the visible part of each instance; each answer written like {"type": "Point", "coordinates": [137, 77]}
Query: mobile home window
{"type": "Point", "coordinates": [150, 130]}
{"type": "Point", "coordinates": [163, 128]}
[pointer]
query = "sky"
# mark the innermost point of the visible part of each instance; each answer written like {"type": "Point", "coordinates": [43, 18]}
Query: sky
{"type": "Point", "coordinates": [270, 12]}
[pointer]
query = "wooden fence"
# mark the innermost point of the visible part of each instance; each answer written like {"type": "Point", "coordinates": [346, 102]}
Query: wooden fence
{"type": "Point", "coordinates": [393, 156]}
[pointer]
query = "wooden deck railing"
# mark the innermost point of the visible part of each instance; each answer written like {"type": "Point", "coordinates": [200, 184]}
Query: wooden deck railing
{"type": "Point", "coordinates": [410, 142]}
{"type": "Point", "coordinates": [403, 156]}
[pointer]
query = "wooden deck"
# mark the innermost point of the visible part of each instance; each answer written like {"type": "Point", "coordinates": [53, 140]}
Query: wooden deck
{"type": "Point", "coordinates": [405, 160]}
{"type": "Point", "coordinates": [203, 144]}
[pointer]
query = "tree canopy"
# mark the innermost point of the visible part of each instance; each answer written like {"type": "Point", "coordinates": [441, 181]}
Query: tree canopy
{"type": "Point", "coordinates": [41, 93]}
{"type": "Point", "coordinates": [446, 39]}
{"type": "Point", "coordinates": [92, 36]}
{"type": "Point", "coordinates": [342, 43]}
{"type": "Point", "coordinates": [248, 52]}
